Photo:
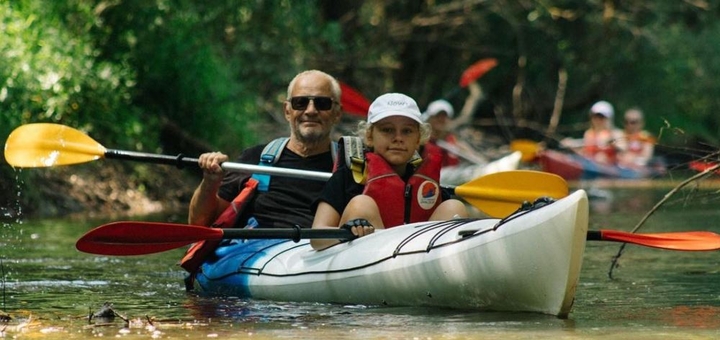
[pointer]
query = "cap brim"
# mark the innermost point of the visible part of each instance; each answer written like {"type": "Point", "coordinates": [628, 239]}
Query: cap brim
{"type": "Point", "coordinates": [384, 115]}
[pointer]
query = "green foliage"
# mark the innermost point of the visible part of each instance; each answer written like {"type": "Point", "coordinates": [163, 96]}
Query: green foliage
{"type": "Point", "coordinates": [49, 73]}
{"type": "Point", "coordinates": [219, 69]}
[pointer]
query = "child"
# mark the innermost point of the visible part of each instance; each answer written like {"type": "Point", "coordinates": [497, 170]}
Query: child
{"type": "Point", "coordinates": [395, 186]}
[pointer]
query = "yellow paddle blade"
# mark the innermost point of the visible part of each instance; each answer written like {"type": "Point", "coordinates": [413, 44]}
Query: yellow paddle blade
{"type": "Point", "coordinates": [44, 145]}
{"type": "Point", "coordinates": [500, 194]}
{"type": "Point", "coordinates": [527, 148]}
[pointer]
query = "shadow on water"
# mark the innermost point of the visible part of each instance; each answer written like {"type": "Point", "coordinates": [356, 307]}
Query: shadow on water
{"type": "Point", "coordinates": [50, 290]}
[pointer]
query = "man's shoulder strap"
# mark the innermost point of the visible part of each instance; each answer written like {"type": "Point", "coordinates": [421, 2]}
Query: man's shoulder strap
{"type": "Point", "coordinates": [271, 152]}
{"type": "Point", "coordinates": [269, 156]}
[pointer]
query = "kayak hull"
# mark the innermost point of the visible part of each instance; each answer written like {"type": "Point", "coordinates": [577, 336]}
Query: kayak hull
{"type": "Point", "coordinates": [529, 263]}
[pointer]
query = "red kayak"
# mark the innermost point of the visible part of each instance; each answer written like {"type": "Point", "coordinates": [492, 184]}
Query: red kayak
{"type": "Point", "coordinates": [571, 166]}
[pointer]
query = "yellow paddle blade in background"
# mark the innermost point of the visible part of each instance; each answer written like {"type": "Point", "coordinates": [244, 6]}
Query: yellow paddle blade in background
{"type": "Point", "coordinates": [45, 144]}
{"type": "Point", "coordinates": [500, 194]}
{"type": "Point", "coordinates": [527, 148]}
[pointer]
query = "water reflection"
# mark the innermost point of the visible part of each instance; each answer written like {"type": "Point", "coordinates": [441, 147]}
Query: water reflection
{"type": "Point", "coordinates": [655, 293]}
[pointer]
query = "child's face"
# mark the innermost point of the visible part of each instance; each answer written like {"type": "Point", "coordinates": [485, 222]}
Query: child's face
{"type": "Point", "coordinates": [396, 139]}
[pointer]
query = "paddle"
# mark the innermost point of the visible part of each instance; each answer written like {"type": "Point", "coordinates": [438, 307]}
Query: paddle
{"type": "Point", "coordinates": [140, 238]}
{"type": "Point", "coordinates": [528, 148]}
{"type": "Point", "coordinates": [353, 102]}
{"type": "Point", "coordinates": [477, 70]}
{"type": "Point", "coordinates": [46, 145]}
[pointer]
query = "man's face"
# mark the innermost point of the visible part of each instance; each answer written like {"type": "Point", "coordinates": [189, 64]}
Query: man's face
{"type": "Point", "coordinates": [311, 121]}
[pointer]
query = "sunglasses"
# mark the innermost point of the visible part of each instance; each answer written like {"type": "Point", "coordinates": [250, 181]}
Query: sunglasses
{"type": "Point", "coordinates": [632, 121]}
{"type": "Point", "coordinates": [321, 103]}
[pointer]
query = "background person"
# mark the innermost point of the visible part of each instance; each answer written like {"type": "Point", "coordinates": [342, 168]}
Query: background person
{"type": "Point", "coordinates": [438, 114]}
{"type": "Point", "coordinates": [637, 145]}
{"type": "Point", "coordinates": [600, 140]}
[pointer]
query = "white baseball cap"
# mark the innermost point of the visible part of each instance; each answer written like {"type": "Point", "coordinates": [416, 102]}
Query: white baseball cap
{"type": "Point", "coordinates": [440, 105]}
{"type": "Point", "coordinates": [602, 108]}
{"type": "Point", "coordinates": [393, 104]}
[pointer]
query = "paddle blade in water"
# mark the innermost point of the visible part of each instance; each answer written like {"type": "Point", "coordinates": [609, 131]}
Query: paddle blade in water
{"type": "Point", "coordinates": [477, 70]}
{"type": "Point", "coordinates": [45, 145]}
{"type": "Point", "coordinates": [687, 241]}
{"type": "Point", "coordinates": [132, 238]}
{"type": "Point", "coordinates": [500, 194]}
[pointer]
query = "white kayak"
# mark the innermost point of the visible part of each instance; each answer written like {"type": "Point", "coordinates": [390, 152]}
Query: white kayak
{"type": "Point", "coordinates": [463, 173]}
{"type": "Point", "coordinates": [528, 262]}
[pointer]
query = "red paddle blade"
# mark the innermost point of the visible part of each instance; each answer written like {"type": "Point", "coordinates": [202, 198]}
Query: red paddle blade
{"type": "Point", "coordinates": [353, 101]}
{"type": "Point", "coordinates": [477, 70]}
{"type": "Point", "coordinates": [687, 241]}
{"type": "Point", "coordinates": [130, 238]}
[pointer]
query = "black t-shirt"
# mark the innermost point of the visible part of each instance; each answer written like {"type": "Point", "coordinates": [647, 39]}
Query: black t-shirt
{"type": "Point", "coordinates": [288, 201]}
{"type": "Point", "coordinates": [339, 190]}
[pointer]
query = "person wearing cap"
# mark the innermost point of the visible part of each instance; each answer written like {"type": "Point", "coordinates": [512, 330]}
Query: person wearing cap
{"type": "Point", "coordinates": [397, 185]}
{"type": "Point", "coordinates": [460, 161]}
{"type": "Point", "coordinates": [438, 115]}
{"type": "Point", "coordinates": [638, 145]}
{"type": "Point", "coordinates": [600, 140]}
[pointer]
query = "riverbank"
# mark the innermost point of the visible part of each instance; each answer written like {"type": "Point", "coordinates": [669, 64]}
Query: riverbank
{"type": "Point", "coordinates": [97, 189]}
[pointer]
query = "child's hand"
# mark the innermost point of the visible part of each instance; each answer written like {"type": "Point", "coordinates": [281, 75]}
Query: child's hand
{"type": "Point", "coordinates": [359, 227]}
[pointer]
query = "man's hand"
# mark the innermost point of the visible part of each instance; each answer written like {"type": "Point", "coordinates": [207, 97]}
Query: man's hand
{"type": "Point", "coordinates": [210, 164]}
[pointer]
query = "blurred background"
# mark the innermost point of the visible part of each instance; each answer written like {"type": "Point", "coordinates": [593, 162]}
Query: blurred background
{"type": "Point", "coordinates": [172, 76]}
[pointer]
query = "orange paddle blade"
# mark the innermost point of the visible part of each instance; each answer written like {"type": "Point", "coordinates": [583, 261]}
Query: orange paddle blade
{"type": "Point", "coordinates": [45, 144]}
{"type": "Point", "coordinates": [500, 194]}
{"type": "Point", "coordinates": [687, 241]}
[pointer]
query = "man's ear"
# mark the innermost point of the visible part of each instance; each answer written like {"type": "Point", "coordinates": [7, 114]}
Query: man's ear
{"type": "Point", "coordinates": [287, 110]}
{"type": "Point", "coordinates": [338, 116]}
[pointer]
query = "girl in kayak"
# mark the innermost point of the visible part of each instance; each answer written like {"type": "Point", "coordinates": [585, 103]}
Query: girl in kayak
{"type": "Point", "coordinates": [388, 183]}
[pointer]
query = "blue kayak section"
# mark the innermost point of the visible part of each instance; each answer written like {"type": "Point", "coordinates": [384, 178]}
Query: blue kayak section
{"type": "Point", "coordinates": [231, 258]}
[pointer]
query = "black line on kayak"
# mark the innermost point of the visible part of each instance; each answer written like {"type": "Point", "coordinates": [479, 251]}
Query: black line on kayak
{"type": "Point", "coordinates": [447, 226]}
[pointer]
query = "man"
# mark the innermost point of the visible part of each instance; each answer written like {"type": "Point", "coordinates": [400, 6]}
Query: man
{"type": "Point", "coordinates": [312, 109]}
{"type": "Point", "coordinates": [638, 146]}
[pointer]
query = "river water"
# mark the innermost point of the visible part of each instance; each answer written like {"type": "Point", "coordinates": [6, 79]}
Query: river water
{"type": "Point", "coordinates": [50, 289]}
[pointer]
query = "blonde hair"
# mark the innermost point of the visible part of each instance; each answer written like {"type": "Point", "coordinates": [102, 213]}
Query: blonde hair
{"type": "Point", "coordinates": [364, 129]}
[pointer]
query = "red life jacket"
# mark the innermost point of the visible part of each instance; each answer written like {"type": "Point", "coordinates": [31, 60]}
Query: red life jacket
{"type": "Point", "coordinates": [448, 158]}
{"type": "Point", "coordinates": [199, 251]}
{"type": "Point", "coordinates": [600, 142]}
{"type": "Point", "coordinates": [400, 202]}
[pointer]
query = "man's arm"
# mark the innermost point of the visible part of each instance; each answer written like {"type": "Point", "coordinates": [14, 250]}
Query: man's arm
{"type": "Point", "coordinates": [205, 205]}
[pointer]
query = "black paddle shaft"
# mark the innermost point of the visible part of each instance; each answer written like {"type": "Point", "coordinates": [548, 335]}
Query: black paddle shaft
{"type": "Point", "coordinates": [179, 161]}
{"type": "Point", "coordinates": [295, 234]}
